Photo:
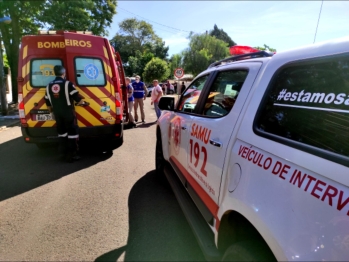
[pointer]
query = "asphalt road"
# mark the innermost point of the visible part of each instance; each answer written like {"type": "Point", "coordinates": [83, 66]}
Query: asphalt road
{"type": "Point", "coordinates": [102, 208]}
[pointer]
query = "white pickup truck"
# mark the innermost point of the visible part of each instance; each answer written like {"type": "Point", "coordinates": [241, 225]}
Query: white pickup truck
{"type": "Point", "coordinates": [256, 151]}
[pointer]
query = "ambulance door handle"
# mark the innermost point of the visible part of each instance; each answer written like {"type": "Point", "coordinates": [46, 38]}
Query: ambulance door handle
{"type": "Point", "coordinates": [215, 143]}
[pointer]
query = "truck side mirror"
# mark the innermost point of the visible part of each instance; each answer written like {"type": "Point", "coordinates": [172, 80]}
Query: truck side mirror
{"type": "Point", "coordinates": [167, 103]}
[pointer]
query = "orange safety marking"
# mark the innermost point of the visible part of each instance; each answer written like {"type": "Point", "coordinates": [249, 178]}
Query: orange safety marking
{"type": "Point", "coordinates": [25, 51]}
{"type": "Point", "coordinates": [82, 119]}
{"type": "Point", "coordinates": [98, 100]}
{"type": "Point", "coordinates": [208, 201]}
{"type": "Point", "coordinates": [96, 115]}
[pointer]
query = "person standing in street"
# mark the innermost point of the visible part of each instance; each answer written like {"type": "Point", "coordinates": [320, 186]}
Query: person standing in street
{"type": "Point", "coordinates": [131, 100]}
{"type": "Point", "coordinates": [140, 93]}
{"type": "Point", "coordinates": [156, 94]}
{"type": "Point", "coordinates": [59, 97]}
{"type": "Point", "coordinates": [182, 87]}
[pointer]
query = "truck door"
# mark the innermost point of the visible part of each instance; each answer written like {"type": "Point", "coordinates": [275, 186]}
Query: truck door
{"type": "Point", "coordinates": [88, 67]}
{"type": "Point", "coordinates": [212, 127]}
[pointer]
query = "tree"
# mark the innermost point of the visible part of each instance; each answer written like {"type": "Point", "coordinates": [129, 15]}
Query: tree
{"type": "Point", "coordinates": [265, 48]}
{"type": "Point", "coordinates": [175, 62]}
{"type": "Point", "coordinates": [28, 16]}
{"type": "Point", "coordinates": [202, 51]}
{"type": "Point", "coordinates": [88, 15]}
{"type": "Point", "coordinates": [135, 35]}
{"type": "Point", "coordinates": [25, 20]}
{"type": "Point", "coordinates": [220, 34]}
{"type": "Point", "coordinates": [137, 63]}
{"type": "Point", "coordinates": [156, 69]}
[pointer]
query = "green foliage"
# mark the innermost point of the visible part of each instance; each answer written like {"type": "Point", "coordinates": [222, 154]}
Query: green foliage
{"type": "Point", "coordinates": [156, 69]}
{"type": "Point", "coordinates": [176, 61]}
{"type": "Point", "coordinates": [28, 16]}
{"type": "Point", "coordinates": [220, 34]}
{"type": "Point", "coordinates": [25, 20]}
{"type": "Point", "coordinates": [265, 48]}
{"type": "Point", "coordinates": [137, 63]}
{"type": "Point", "coordinates": [89, 15]}
{"type": "Point", "coordinates": [135, 35]}
{"type": "Point", "coordinates": [202, 51]}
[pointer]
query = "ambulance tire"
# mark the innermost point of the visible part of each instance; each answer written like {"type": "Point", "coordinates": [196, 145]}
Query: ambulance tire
{"type": "Point", "coordinates": [248, 251]}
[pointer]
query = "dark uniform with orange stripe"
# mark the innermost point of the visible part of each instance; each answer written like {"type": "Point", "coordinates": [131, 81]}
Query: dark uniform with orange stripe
{"type": "Point", "coordinates": [59, 95]}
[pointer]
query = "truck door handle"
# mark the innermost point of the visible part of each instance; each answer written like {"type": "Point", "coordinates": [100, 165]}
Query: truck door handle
{"type": "Point", "coordinates": [184, 128]}
{"type": "Point", "coordinates": [215, 143]}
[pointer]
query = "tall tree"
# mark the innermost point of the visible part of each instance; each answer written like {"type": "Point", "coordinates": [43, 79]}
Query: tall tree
{"type": "Point", "coordinates": [89, 15]}
{"type": "Point", "coordinates": [25, 20]}
{"type": "Point", "coordinates": [202, 51]}
{"type": "Point", "coordinates": [156, 69]}
{"type": "Point", "coordinates": [135, 35]}
{"type": "Point", "coordinates": [137, 63]}
{"type": "Point", "coordinates": [220, 34]}
{"type": "Point", "coordinates": [28, 16]}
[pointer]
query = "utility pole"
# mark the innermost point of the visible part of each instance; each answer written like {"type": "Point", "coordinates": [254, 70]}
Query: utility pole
{"type": "Point", "coordinates": [4, 105]}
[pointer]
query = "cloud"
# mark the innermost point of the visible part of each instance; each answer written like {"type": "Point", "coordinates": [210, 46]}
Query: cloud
{"type": "Point", "coordinates": [176, 43]}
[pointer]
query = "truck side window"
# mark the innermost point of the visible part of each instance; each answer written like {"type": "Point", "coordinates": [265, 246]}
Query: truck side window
{"type": "Point", "coordinates": [41, 71]}
{"type": "Point", "coordinates": [89, 71]}
{"type": "Point", "coordinates": [224, 92]}
{"type": "Point", "coordinates": [308, 102]}
{"type": "Point", "coordinates": [191, 95]}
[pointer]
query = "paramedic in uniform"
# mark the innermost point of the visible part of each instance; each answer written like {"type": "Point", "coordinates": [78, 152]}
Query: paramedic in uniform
{"type": "Point", "coordinates": [139, 93]}
{"type": "Point", "coordinates": [59, 97]}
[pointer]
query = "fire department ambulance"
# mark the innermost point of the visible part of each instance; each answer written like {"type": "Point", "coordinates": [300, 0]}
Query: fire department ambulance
{"type": "Point", "coordinates": [256, 151]}
{"type": "Point", "coordinates": [94, 68]}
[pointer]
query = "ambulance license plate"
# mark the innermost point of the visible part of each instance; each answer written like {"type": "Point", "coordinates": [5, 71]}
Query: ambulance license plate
{"type": "Point", "coordinates": [44, 117]}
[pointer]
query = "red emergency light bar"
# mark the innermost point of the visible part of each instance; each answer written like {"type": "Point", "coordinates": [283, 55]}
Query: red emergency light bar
{"type": "Point", "coordinates": [241, 49]}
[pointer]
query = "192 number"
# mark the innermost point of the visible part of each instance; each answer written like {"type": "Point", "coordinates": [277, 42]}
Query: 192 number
{"type": "Point", "coordinates": [195, 150]}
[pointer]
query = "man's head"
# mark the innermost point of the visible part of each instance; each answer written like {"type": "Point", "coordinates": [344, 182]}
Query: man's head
{"type": "Point", "coordinates": [128, 80]}
{"type": "Point", "coordinates": [138, 78]}
{"type": "Point", "coordinates": [59, 70]}
{"type": "Point", "coordinates": [155, 82]}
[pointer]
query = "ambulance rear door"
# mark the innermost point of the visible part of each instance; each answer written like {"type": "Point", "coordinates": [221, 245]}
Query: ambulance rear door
{"type": "Point", "coordinates": [88, 67]}
{"type": "Point", "coordinates": [39, 55]}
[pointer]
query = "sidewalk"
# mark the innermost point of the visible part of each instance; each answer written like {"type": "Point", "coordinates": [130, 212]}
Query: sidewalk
{"type": "Point", "coordinates": [11, 119]}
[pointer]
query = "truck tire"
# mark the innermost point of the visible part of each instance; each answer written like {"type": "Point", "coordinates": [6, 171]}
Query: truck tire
{"type": "Point", "coordinates": [248, 251]}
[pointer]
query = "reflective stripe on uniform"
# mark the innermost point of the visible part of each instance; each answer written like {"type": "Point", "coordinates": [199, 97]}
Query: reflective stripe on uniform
{"type": "Point", "coordinates": [75, 136]}
{"type": "Point", "coordinates": [48, 94]}
{"type": "Point", "coordinates": [66, 92]}
{"type": "Point", "coordinates": [73, 92]}
{"type": "Point", "coordinates": [62, 135]}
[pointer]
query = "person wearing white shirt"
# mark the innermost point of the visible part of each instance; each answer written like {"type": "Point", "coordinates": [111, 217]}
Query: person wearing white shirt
{"type": "Point", "coordinates": [156, 94]}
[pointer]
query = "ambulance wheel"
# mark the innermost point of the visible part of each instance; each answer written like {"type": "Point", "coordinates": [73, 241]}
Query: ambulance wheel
{"type": "Point", "coordinates": [248, 251]}
{"type": "Point", "coordinates": [159, 156]}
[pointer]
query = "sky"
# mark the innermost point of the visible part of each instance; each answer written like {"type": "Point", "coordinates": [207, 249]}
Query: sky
{"type": "Point", "coordinates": [282, 25]}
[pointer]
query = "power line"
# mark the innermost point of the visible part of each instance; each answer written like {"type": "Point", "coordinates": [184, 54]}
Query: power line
{"type": "Point", "coordinates": [154, 21]}
{"type": "Point", "coordinates": [318, 20]}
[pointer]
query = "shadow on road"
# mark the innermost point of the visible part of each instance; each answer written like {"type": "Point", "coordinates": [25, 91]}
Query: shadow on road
{"type": "Point", "coordinates": [158, 230]}
{"type": "Point", "coordinates": [25, 167]}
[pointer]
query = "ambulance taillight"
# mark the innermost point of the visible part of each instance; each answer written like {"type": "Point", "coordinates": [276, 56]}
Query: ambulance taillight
{"type": "Point", "coordinates": [118, 106]}
{"type": "Point", "coordinates": [21, 110]}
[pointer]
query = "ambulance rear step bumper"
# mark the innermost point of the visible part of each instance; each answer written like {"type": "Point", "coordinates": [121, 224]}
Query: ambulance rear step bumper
{"type": "Point", "coordinates": [203, 233]}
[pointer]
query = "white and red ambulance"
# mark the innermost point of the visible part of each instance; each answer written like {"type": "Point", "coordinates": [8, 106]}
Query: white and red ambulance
{"type": "Point", "coordinates": [256, 151]}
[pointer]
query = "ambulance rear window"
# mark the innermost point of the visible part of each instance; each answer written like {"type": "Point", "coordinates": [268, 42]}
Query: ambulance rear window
{"type": "Point", "coordinates": [41, 71]}
{"type": "Point", "coordinates": [307, 107]}
{"type": "Point", "coordinates": [89, 71]}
